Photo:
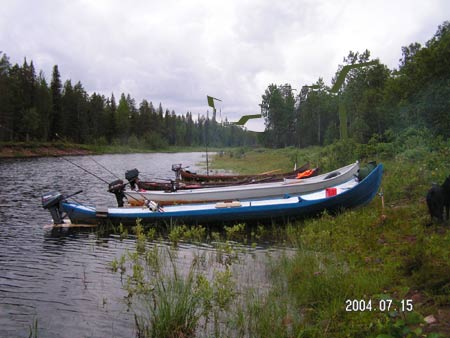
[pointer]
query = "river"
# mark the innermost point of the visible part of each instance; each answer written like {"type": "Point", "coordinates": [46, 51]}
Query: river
{"type": "Point", "coordinates": [61, 279]}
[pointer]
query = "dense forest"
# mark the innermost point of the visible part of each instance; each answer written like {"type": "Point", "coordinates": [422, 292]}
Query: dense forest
{"type": "Point", "coordinates": [379, 102]}
{"type": "Point", "coordinates": [32, 110]}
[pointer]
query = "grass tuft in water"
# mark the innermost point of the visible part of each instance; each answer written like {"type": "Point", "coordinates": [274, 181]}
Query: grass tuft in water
{"type": "Point", "coordinates": [33, 329]}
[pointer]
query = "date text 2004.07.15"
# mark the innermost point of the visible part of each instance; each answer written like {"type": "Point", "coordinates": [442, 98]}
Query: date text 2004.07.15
{"type": "Point", "coordinates": [382, 305]}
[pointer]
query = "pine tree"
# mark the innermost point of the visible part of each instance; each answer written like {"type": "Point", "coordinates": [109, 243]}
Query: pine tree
{"type": "Point", "coordinates": [111, 110]}
{"type": "Point", "coordinates": [43, 106]}
{"type": "Point", "coordinates": [6, 113]}
{"type": "Point", "coordinates": [56, 116]}
{"type": "Point", "coordinates": [122, 119]}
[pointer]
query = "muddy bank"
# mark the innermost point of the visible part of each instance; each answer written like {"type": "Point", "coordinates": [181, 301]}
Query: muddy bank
{"type": "Point", "coordinates": [15, 151]}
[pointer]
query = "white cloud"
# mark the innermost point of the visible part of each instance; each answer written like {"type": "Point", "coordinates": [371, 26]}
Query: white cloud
{"type": "Point", "coordinates": [177, 52]}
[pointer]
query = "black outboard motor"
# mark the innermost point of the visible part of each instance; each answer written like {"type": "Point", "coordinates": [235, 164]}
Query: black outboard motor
{"type": "Point", "coordinates": [132, 177]}
{"type": "Point", "coordinates": [173, 186]}
{"type": "Point", "coordinates": [117, 188]}
{"type": "Point", "coordinates": [52, 202]}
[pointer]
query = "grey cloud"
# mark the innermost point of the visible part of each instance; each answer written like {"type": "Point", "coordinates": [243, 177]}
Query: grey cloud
{"type": "Point", "coordinates": [178, 52]}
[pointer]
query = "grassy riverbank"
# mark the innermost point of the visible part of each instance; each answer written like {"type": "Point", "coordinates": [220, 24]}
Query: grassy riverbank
{"type": "Point", "coordinates": [365, 257]}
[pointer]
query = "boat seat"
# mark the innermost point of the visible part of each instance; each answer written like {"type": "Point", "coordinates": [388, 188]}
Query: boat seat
{"type": "Point", "coordinates": [331, 175]}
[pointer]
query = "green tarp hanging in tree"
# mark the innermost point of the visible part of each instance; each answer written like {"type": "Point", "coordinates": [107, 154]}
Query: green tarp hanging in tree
{"type": "Point", "coordinates": [243, 120]}
{"type": "Point", "coordinates": [211, 101]}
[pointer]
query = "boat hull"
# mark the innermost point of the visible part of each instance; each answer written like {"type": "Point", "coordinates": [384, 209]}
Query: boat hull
{"type": "Point", "coordinates": [350, 194]}
{"type": "Point", "coordinates": [188, 176]}
{"type": "Point", "coordinates": [247, 191]}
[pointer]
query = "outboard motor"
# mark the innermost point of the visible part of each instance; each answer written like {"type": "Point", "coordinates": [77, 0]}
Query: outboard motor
{"type": "Point", "coordinates": [177, 168]}
{"type": "Point", "coordinates": [117, 188]}
{"type": "Point", "coordinates": [173, 186]}
{"type": "Point", "coordinates": [132, 177]}
{"type": "Point", "coordinates": [52, 202]}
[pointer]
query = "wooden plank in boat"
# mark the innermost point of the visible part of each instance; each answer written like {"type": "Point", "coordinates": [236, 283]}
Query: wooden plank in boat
{"type": "Point", "coordinates": [233, 204]}
{"type": "Point", "coordinates": [101, 212]}
{"type": "Point", "coordinates": [68, 224]}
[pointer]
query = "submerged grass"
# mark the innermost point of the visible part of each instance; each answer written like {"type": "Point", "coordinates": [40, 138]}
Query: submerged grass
{"type": "Point", "coordinates": [169, 301]}
{"type": "Point", "coordinates": [171, 308]}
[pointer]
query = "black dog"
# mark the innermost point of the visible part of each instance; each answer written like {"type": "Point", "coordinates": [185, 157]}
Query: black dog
{"type": "Point", "coordinates": [438, 198]}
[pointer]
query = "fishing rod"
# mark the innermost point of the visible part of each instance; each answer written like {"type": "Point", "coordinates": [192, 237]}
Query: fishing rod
{"type": "Point", "coordinates": [117, 187]}
{"type": "Point", "coordinates": [75, 193]}
{"type": "Point", "coordinates": [76, 165]}
{"type": "Point", "coordinates": [206, 143]}
{"type": "Point", "coordinates": [116, 176]}
{"type": "Point", "coordinates": [96, 162]}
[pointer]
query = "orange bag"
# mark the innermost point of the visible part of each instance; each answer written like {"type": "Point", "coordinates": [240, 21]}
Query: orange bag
{"type": "Point", "coordinates": [306, 173]}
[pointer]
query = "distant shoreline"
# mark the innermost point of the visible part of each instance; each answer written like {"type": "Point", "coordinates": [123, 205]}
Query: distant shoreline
{"type": "Point", "coordinates": [54, 149]}
{"type": "Point", "coordinates": [25, 151]}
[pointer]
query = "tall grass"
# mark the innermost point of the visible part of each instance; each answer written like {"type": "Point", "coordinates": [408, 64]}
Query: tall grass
{"type": "Point", "coordinates": [168, 301]}
{"type": "Point", "coordinates": [170, 307]}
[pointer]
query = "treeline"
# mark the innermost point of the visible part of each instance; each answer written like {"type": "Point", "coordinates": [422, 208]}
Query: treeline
{"type": "Point", "coordinates": [378, 101]}
{"type": "Point", "coordinates": [32, 110]}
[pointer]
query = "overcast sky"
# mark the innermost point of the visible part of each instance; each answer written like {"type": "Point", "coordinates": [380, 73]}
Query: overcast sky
{"type": "Point", "coordinates": [177, 52]}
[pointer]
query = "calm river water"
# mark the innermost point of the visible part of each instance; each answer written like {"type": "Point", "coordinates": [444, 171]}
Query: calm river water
{"type": "Point", "coordinates": [61, 277]}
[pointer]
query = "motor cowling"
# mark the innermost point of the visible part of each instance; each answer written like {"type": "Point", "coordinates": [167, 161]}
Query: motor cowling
{"type": "Point", "coordinates": [132, 177]}
{"type": "Point", "coordinates": [117, 188]}
{"type": "Point", "coordinates": [177, 169]}
{"type": "Point", "coordinates": [52, 202]}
